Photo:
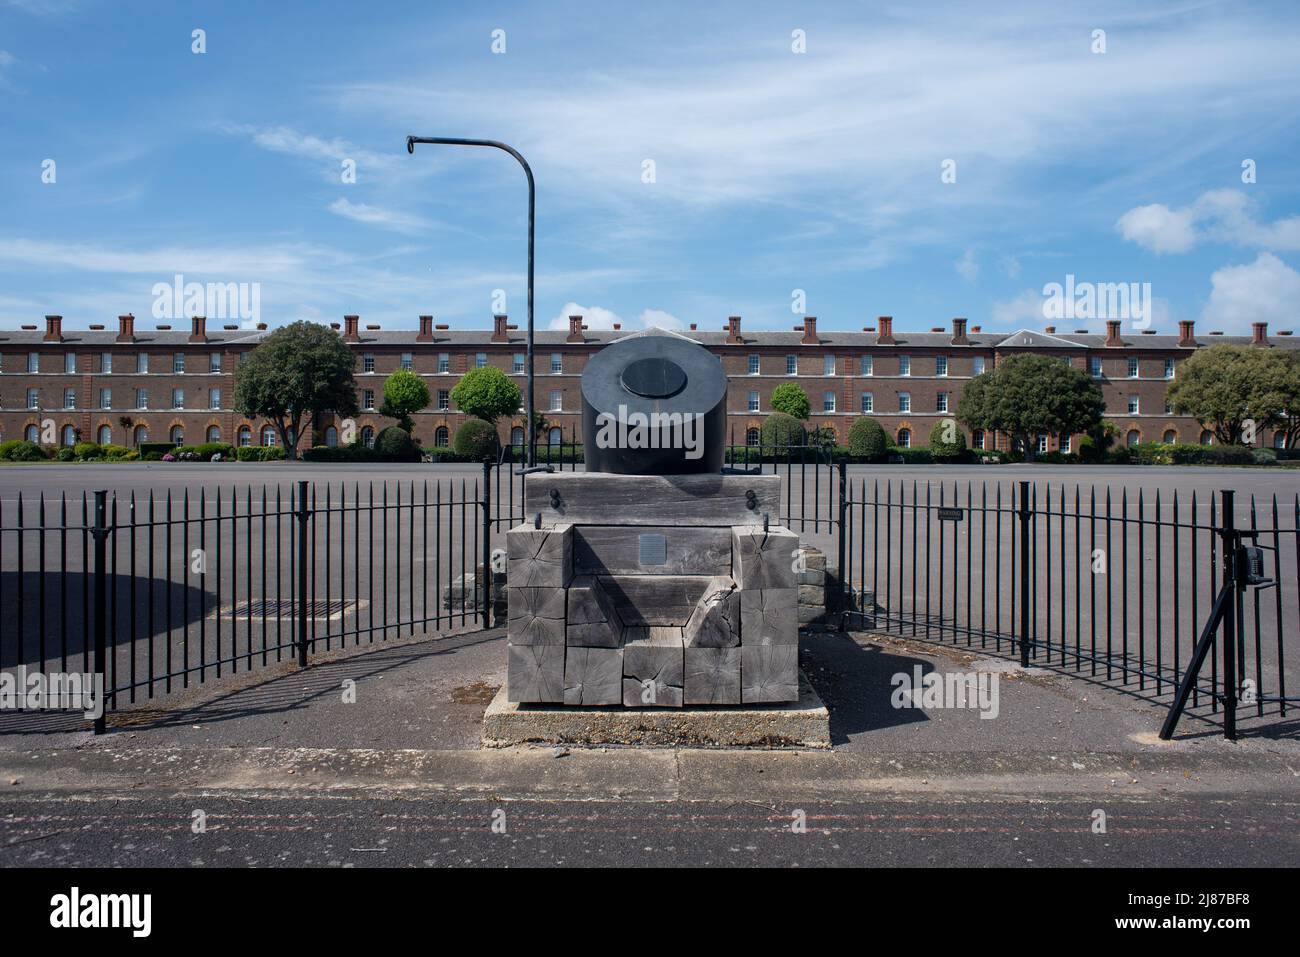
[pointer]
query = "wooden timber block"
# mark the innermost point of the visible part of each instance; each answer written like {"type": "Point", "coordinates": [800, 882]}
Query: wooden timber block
{"type": "Point", "coordinates": [677, 550]}
{"type": "Point", "coordinates": [769, 673]}
{"type": "Point", "coordinates": [764, 559]}
{"type": "Point", "coordinates": [592, 621]}
{"type": "Point", "coordinates": [534, 673]}
{"type": "Point", "coordinates": [653, 672]}
{"type": "Point", "coordinates": [593, 676]}
{"type": "Point", "coordinates": [712, 676]}
{"type": "Point", "coordinates": [715, 621]}
{"type": "Point", "coordinates": [605, 498]}
{"type": "Point", "coordinates": [536, 616]}
{"type": "Point", "coordinates": [654, 599]}
{"type": "Point", "coordinates": [655, 633]}
{"type": "Point", "coordinates": [537, 557]}
{"type": "Point", "coordinates": [769, 616]}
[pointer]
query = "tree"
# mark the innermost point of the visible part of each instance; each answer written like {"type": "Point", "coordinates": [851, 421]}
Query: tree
{"type": "Point", "coordinates": [1029, 394]}
{"type": "Point", "coordinates": [947, 442]}
{"type": "Point", "coordinates": [300, 370]}
{"type": "Point", "coordinates": [781, 430]}
{"type": "Point", "coordinates": [404, 393]}
{"type": "Point", "coordinates": [486, 393]}
{"type": "Point", "coordinates": [791, 400]}
{"type": "Point", "coordinates": [867, 440]}
{"type": "Point", "coordinates": [1237, 391]}
{"type": "Point", "coordinates": [475, 440]}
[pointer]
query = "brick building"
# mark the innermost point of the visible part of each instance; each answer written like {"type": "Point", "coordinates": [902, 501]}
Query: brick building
{"type": "Point", "coordinates": [132, 384]}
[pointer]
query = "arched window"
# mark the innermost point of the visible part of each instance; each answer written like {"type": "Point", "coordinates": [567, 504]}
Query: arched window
{"type": "Point", "coordinates": [977, 439]}
{"type": "Point", "coordinates": [105, 435]}
{"type": "Point", "coordinates": [214, 433]}
{"type": "Point", "coordinates": [141, 434]}
{"type": "Point", "coordinates": [177, 436]}
{"type": "Point", "coordinates": [752, 437]}
{"type": "Point", "coordinates": [32, 433]}
{"type": "Point", "coordinates": [268, 435]}
{"type": "Point", "coordinates": [1279, 439]}
{"type": "Point", "coordinates": [904, 438]}
{"type": "Point", "coordinates": [1133, 438]}
{"type": "Point", "coordinates": [1207, 437]}
{"type": "Point", "coordinates": [245, 436]}
{"type": "Point", "coordinates": [368, 437]}
{"type": "Point", "coordinates": [440, 437]}
{"type": "Point", "coordinates": [555, 437]}
{"type": "Point", "coordinates": [69, 435]}
{"type": "Point", "coordinates": [331, 437]}
{"type": "Point", "coordinates": [1170, 437]}
{"type": "Point", "coordinates": [517, 436]}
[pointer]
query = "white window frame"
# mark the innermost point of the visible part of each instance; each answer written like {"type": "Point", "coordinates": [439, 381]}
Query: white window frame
{"type": "Point", "coordinates": [754, 364]}
{"type": "Point", "coordinates": [941, 365]}
{"type": "Point", "coordinates": [904, 402]}
{"type": "Point", "coordinates": [791, 365]}
{"type": "Point", "coordinates": [1134, 405]}
{"type": "Point", "coordinates": [868, 366]}
{"type": "Point", "coordinates": [868, 403]}
{"type": "Point", "coordinates": [753, 401]}
{"type": "Point", "coordinates": [905, 365]}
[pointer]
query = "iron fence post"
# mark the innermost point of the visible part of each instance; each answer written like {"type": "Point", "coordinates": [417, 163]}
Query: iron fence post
{"type": "Point", "coordinates": [101, 612]}
{"type": "Point", "coordinates": [302, 516]}
{"type": "Point", "coordinates": [1231, 575]}
{"type": "Point", "coordinates": [841, 573]}
{"type": "Point", "coordinates": [1024, 517]}
{"type": "Point", "coordinates": [487, 545]}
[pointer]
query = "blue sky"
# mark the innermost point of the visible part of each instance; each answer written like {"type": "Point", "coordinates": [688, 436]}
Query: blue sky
{"type": "Point", "coordinates": [774, 171]}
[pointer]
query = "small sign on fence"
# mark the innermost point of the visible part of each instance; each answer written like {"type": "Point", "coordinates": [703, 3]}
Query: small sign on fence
{"type": "Point", "coordinates": [951, 514]}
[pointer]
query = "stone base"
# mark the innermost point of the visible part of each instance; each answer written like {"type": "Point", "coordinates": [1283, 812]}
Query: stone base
{"type": "Point", "coordinates": [801, 724]}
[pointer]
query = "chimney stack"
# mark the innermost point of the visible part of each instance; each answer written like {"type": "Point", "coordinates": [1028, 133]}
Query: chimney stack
{"type": "Point", "coordinates": [499, 333]}
{"type": "Point", "coordinates": [733, 330]}
{"type": "Point", "coordinates": [350, 324]}
{"type": "Point", "coordinates": [426, 329]}
{"type": "Point", "coordinates": [126, 328]}
{"type": "Point", "coordinates": [886, 335]}
{"type": "Point", "coordinates": [1112, 333]}
{"type": "Point", "coordinates": [1186, 332]}
{"type": "Point", "coordinates": [53, 328]}
{"type": "Point", "coordinates": [959, 333]}
{"type": "Point", "coordinates": [199, 329]}
{"type": "Point", "coordinates": [575, 329]}
{"type": "Point", "coordinates": [1259, 333]}
{"type": "Point", "coordinates": [810, 331]}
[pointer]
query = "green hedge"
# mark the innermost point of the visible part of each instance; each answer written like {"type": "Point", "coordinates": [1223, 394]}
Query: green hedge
{"type": "Point", "coordinates": [20, 450]}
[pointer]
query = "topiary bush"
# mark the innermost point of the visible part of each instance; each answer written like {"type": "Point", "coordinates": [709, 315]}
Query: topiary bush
{"type": "Point", "coordinates": [947, 442]}
{"type": "Point", "coordinates": [476, 440]}
{"type": "Point", "coordinates": [867, 440]}
{"type": "Point", "coordinates": [394, 444]}
{"type": "Point", "coordinates": [781, 430]}
{"type": "Point", "coordinates": [65, 454]}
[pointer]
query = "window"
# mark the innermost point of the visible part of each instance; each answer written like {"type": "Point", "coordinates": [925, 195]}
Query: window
{"type": "Point", "coordinates": [444, 363]}
{"type": "Point", "coordinates": [1169, 368]}
{"type": "Point", "coordinates": [243, 357]}
{"type": "Point", "coordinates": [1132, 367]}
{"type": "Point", "coordinates": [941, 365]}
{"type": "Point", "coordinates": [557, 363]}
{"type": "Point", "coordinates": [368, 399]}
{"type": "Point", "coordinates": [977, 439]}
{"type": "Point", "coordinates": [368, 437]}
{"type": "Point", "coordinates": [1066, 442]}
{"type": "Point", "coordinates": [753, 402]}
{"type": "Point", "coordinates": [331, 437]}
{"type": "Point", "coordinates": [178, 398]}
{"type": "Point", "coordinates": [557, 400]}
{"type": "Point", "coordinates": [69, 435]}
{"type": "Point", "coordinates": [1042, 443]}
{"type": "Point", "coordinates": [214, 362]}
{"type": "Point", "coordinates": [480, 360]}
{"type": "Point", "coordinates": [868, 403]}
{"type": "Point", "coordinates": [753, 365]}
{"type": "Point", "coordinates": [33, 398]}
{"type": "Point", "coordinates": [791, 365]}
{"type": "Point", "coordinates": [904, 402]}
{"type": "Point", "coordinates": [214, 398]}
{"type": "Point", "coordinates": [407, 361]}
{"type": "Point", "coordinates": [828, 365]}
{"type": "Point", "coordinates": [555, 437]}
{"type": "Point", "coordinates": [868, 365]}
{"type": "Point", "coordinates": [1170, 437]}
{"type": "Point", "coordinates": [904, 365]}
{"type": "Point", "coordinates": [142, 398]}
{"type": "Point", "coordinates": [941, 402]}
{"type": "Point", "coordinates": [518, 366]}
{"type": "Point", "coordinates": [177, 436]}
{"type": "Point", "coordinates": [245, 437]}
{"type": "Point", "coordinates": [105, 435]}
{"type": "Point", "coordinates": [1169, 407]}
{"type": "Point", "coordinates": [106, 398]}
{"type": "Point", "coordinates": [178, 363]}
{"type": "Point", "coordinates": [517, 436]}
{"type": "Point", "coordinates": [31, 433]}
{"type": "Point", "coordinates": [1207, 437]}
{"type": "Point", "coordinates": [1133, 405]}
{"type": "Point", "coordinates": [268, 435]}
{"type": "Point", "coordinates": [141, 434]}
{"type": "Point", "coordinates": [1279, 440]}
{"type": "Point", "coordinates": [977, 365]}
{"type": "Point", "coordinates": [444, 400]}
{"type": "Point", "coordinates": [1134, 438]}
{"type": "Point", "coordinates": [214, 434]}
{"type": "Point", "coordinates": [752, 437]}
{"type": "Point", "coordinates": [440, 437]}
{"type": "Point", "coordinates": [70, 363]}
{"type": "Point", "coordinates": [904, 438]}
{"type": "Point", "coordinates": [33, 362]}
{"type": "Point", "coordinates": [828, 401]}
{"type": "Point", "coordinates": [142, 363]}
{"type": "Point", "coordinates": [1094, 366]}
{"type": "Point", "coordinates": [368, 362]}
{"type": "Point", "coordinates": [106, 363]}
{"type": "Point", "coordinates": [69, 398]}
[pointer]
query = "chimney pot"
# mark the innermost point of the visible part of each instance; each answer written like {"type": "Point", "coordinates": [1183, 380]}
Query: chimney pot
{"type": "Point", "coordinates": [1050, 330]}
{"type": "Point", "coordinates": [161, 327]}
{"type": "Point", "coordinates": [96, 327]}
{"type": "Point", "coordinates": [442, 326]}
{"type": "Point", "coordinates": [618, 326]}
{"type": "Point", "coordinates": [693, 327]}
{"type": "Point", "coordinates": [198, 329]}
{"type": "Point", "coordinates": [53, 328]}
{"type": "Point", "coordinates": [372, 326]}
{"type": "Point", "coordinates": [1186, 332]}
{"type": "Point", "coordinates": [810, 331]}
{"type": "Point", "coordinates": [575, 329]}
{"type": "Point", "coordinates": [1112, 333]}
{"type": "Point", "coordinates": [426, 330]}
{"type": "Point", "coordinates": [126, 328]}
{"type": "Point", "coordinates": [886, 336]}
{"type": "Point", "coordinates": [261, 327]}
{"type": "Point", "coordinates": [733, 330]}
{"type": "Point", "coordinates": [499, 327]}
{"type": "Point", "coordinates": [959, 332]}
{"type": "Point", "coordinates": [1259, 333]}
{"type": "Point", "coordinates": [350, 324]}
{"type": "Point", "coordinates": [974, 328]}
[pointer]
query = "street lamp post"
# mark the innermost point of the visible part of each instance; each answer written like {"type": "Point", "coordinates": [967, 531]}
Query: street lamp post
{"type": "Point", "coordinates": [529, 428]}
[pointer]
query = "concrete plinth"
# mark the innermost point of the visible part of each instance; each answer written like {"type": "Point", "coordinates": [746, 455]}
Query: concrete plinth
{"type": "Point", "coordinates": [801, 724]}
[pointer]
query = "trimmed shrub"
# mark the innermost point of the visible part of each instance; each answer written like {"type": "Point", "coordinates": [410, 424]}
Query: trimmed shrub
{"type": "Point", "coordinates": [781, 430]}
{"type": "Point", "coordinates": [789, 398]}
{"type": "Point", "coordinates": [912, 456]}
{"type": "Point", "coordinates": [65, 454]}
{"type": "Point", "coordinates": [1153, 453]}
{"type": "Point", "coordinates": [118, 452]}
{"type": "Point", "coordinates": [394, 444]}
{"type": "Point", "coordinates": [20, 450]}
{"type": "Point", "coordinates": [88, 450]}
{"type": "Point", "coordinates": [476, 440]}
{"type": "Point", "coordinates": [151, 456]}
{"type": "Point", "coordinates": [1264, 457]}
{"type": "Point", "coordinates": [1212, 455]}
{"type": "Point", "coordinates": [162, 448]}
{"type": "Point", "coordinates": [867, 440]}
{"type": "Point", "coordinates": [943, 450]}
{"type": "Point", "coordinates": [246, 453]}
{"type": "Point", "coordinates": [273, 453]}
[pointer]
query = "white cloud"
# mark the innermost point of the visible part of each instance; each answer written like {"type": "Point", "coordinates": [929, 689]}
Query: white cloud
{"type": "Point", "coordinates": [968, 266]}
{"type": "Point", "coordinates": [1011, 266]}
{"type": "Point", "coordinates": [598, 317]}
{"type": "Point", "coordinates": [1219, 215]}
{"type": "Point", "coordinates": [290, 142]}
{"type": "Point", "coordinates": [378, 216]}
{"type": "Point", "coordinates": [1025, 311]}
{"type": "Point", "coordinates": [658, 319]}
{"type": "Point", "coordinates": [1266, 290]}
